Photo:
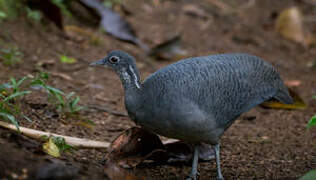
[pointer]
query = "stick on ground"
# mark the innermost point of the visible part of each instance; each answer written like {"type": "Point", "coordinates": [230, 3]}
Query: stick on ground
{"type": "Point", "coordinates": [72, 141]}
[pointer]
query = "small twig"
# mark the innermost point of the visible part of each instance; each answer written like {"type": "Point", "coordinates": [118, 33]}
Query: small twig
{"type": "Point", "coordinates": [72, 141]}
{"type": "Point", "coordinates": [111, 111]}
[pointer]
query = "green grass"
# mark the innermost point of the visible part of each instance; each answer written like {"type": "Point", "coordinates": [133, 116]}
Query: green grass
{"type": "Point", "coordinates": [10, 56]}
{"type": "Point", "coordinates": [12, 92]}
{"type": "Point", "coordinates": [10, 95]}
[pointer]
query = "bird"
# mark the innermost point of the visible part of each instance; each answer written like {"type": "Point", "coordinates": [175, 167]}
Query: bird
{"type": "Point", "coordinates": [196, 99]}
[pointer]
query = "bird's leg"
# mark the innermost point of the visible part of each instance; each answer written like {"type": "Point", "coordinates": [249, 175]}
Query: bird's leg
{"type": "Point", "coordinates": [195, 163]}
{"type": "Point", "coordinates": [218, 164]}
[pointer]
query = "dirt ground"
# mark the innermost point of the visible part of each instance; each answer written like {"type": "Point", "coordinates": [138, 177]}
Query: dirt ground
{"type": "Point", "coordinates": [261, 144]}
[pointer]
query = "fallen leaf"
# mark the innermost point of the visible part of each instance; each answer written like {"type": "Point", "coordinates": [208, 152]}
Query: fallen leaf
{"type": "Point", "coordinates": [169, 50]}
{"type": "Point", "coordinates": [67, 60]}
{"type": "Point", "coordinates": [112, 23]}
{"type": "Point", "coordinates": [290, 25]}
{"type": "Point", "coordinates": [298, 102]}
{"type": "Point", "coordinates": [136, 145]}
{"type": "Point", "coordinates": [134, 142]}
{"type": "Point", "coordinates": [51, 148]}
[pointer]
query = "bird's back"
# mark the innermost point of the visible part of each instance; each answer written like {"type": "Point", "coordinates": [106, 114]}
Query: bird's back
{"type": "Point", "coordinates": [208, 91]}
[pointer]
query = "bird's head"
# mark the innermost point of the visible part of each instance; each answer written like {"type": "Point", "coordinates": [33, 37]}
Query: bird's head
{"type": "Point", "coordinates": [124, 65]}
{"type": "Point", "coordinates": [117, 60]}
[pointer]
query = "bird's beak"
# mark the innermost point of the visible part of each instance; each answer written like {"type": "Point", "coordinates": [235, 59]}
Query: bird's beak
{"type": "Point", "coordinates": [98, 62]}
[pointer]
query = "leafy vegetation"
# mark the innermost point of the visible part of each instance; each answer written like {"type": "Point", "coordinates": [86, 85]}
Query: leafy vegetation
{"type": "Point", "coordinates": [62, 145]}
{"type": "Point", "coordinates": [11, 8]}
{"type": "Point", "coordinates": [62, 5]}
{"type": "Point", "coordinates": [12, 92]}
{"type": "Point", "coordinates": [66, 103]}
{"type": "Point", "coordinates": [312, 122]}
{"type": "Point", "coordinates": [10, 56]}
{"type": "Point", "coordinates": [54, 146]}
{"type": "Point", "coordinates": [34, 15]}
{"type": "Point", "coordinates": [3, 15]}
{"type": "Point", "coordinates": [10, 95]}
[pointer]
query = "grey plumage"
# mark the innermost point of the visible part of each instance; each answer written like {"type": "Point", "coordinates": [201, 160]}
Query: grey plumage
{"type": "Point", "coordinates": [197, 99]}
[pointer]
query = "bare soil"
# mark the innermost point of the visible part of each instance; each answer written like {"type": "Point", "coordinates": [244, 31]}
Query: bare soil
{"type": "Point", "coordinates": [261, 144]}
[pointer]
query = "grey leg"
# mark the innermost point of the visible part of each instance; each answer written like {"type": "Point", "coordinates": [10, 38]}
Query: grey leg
{"type": "Point", "coordinates": [195, 163]}
{"type": "Point", "coordinates": [218, 164]}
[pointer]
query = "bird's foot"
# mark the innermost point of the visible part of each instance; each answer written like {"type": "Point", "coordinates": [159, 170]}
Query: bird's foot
{"type": "Point", "coordinates": [219, 178]}
{"type": "Point", "coordinates": [193, 176]}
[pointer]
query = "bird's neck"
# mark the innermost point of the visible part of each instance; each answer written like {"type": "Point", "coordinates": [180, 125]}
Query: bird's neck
{"type": "Point", "coordinates": [132, 87]}
{"type": "Point", "coordinates": [130, 79]}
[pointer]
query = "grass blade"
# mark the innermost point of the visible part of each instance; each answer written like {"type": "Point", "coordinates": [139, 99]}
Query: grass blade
{"type": "Point", "coordinates": [21, 81]}
{"type": "Point", "coordinates": [10, 118]}
{"type": "Point", "coordinates": [27, 118]}
{"type": "Point", "coordinates": [54, 90]}
{"type": "Point", "coordinates": [16, 95]}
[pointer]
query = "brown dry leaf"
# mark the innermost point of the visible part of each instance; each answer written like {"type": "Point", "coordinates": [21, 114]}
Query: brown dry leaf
{"type": "Point", "coordinates": [130, 148]}
{"type": "Point", "coordinates": [136, 145]}
{"type": "Point", "coordinates": [298, 102]}
{"type": "Point", "coordinates": [290, 25]}
{"type": "Point", "coordinates": [61, 75]}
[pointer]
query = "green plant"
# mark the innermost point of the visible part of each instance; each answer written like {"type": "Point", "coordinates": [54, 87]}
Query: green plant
{"type": "Point", "coordinates": [34, 15]}
{"type": "Point", "coordinates": [10, 56]}
{"type": "Point", "coordinates": [62, 5]}
{"type": "Point", "coordinates": [61, 144]}
{"type": "Point", "coordinates": [312, 122]}
{"type": "Point", "coordinates": [312, 173]}
{"type": "Point", "coordinates": [10, 94]}
{"type": "Point", "coordinates": [67, 60]}
{"type": "Point", "coordinates": [11, 8]}
{"type": "Point", "coordinates": [3, 15]}
{"type": "Point", "coordinates": [63, 102]}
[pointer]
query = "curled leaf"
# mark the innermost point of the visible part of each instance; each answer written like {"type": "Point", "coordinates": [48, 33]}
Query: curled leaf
{"type": "Point", "coordinates": [112, 23]}
{"type": "Point", "coordinates": [51, 148]}
{"type": "Point", "coordinates": [290, 25]}
{"type": "Point", "coordinates": [136, 145]}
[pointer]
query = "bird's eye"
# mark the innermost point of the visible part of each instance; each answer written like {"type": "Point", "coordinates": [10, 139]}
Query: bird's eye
{"type": "Point", "coordinates": [114, 59]}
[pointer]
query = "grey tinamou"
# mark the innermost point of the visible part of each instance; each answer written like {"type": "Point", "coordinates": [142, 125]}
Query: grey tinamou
{"type": "Point", "coordinates": [196, 99]}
